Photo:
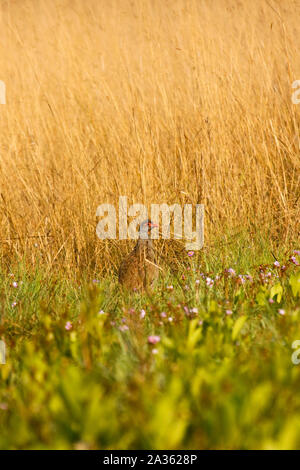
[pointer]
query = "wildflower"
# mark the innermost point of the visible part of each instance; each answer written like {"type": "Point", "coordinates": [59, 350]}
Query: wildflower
{"type": "Point", "coordinates": [101, 312]}
{"type": "Point", "coordinates": [163, 314]}
{"type": "Point", "coordinates": [170, 287]}
{"type": "Point", "coordinates": [197, 282]}
{"type": "Point", "coordinates": [209, 282]}
{"type": "Point", "coordinates": [294, 260]}
{"type": "Point", "coordinates": [277, 264]}
{"type": "Point", "coordinates": [296, 252]}
{"type": "Point", "coordinates": [96, 281]}
{"type": "Point", "coordinates": [153, 339]}
{"type": "Point", "coordinates": [281, 311]}
{"type": "Point", "coordinates": [242, 279]}
{"type": "Point", "coordinates": [217, 277]}
{"type": "Point", "coordinates": [231, 271]}
{"type": "Point", "coordinates": [186, 287]}
{"type": "Point", "coordinates": [228, 312]}
{"type": "Point", "coordinates": [194, 310]}
{"type": "Point", "coordinates": [15, 284]}
{"type": "Point", "coordinates": [170, 319]}
{"type": "Point", "coordinates": [200, 322]}
{"type": "Point", "coordinates": [154, 351]}
{"type": "Point", "coordinates": [68, 326]}
{"type": "Point", "coordinates": [186, 310]}
{"type": "Point", "coordinates": [123, 328]}
{"type": "Point", "coordinates": [249, 278]}
{"type": "Point", "coordinates": [271, 301]}
{"type": "Point", "coordinates": [14, 304]}
{"type": "Point", "coordinates": [143, 313]}
{"type": "Point", "coordinates": [191, 253]}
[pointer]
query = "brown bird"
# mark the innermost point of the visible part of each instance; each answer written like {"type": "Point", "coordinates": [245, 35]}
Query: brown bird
{"type": "Point", "coordinates": [139, 270]}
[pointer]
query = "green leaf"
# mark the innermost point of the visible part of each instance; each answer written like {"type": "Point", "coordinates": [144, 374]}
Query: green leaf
{"type": "Point", "coordinates": [261, 297]}
{"type": "Point", "coordinates": [295, 284]}
{"type": "Point", "coordinates": [238, 326]}
{"type": "Point", "coordinates": [194, 334]}
{"type": "Point", "coordinates": [277, 290]}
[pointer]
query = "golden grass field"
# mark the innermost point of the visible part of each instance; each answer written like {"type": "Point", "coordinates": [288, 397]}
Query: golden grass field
{"type": "Point", "coordinates": [157, 100]}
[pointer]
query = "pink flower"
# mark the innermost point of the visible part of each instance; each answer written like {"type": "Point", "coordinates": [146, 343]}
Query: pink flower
{"type": "Point", "coordinates": [163, 314]}
{"type": "Point", "coordinates": [153, 339]}
{"type": "Point", "coordinates": [271, 301]}
{"type": "Point", "coordinates": [294, 260]}
{"type": "Point", "coordinates": [14, 304]}
{"type": "Point", "coordinates": [231, 271]}
{"type": "Point", "coordinates": [191, 253]}
{"type": "Point", "coordinates": [277, 264]}
{"type": "Point", "coordinates": [281, 311]}
{"type": "Point", "coordinates": [143, 313]}
{"type": "Point", "coordinates": [296, 252]}
{"type": "Point", "coordinates": [68, 326]}
{"type": "Point", "coordinates": [123, 328]}
{"type": "Point", "coordinates": [15, 284]}
{"type": "Point", "coordinates": [228, 312]}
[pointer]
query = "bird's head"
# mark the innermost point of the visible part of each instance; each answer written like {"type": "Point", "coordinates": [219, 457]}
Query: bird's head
{"type": "Point", "coordinates": [146, 227]}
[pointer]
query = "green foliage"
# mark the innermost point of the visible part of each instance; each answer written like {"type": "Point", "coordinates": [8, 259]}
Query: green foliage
{"type": "Point", "coordinates": [81, 372]}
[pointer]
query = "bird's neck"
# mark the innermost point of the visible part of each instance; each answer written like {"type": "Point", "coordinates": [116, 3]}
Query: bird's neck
{"type": "Point", "coordinates": [144, 243]}
{"type": "Point", "coordinates": [145, 246]}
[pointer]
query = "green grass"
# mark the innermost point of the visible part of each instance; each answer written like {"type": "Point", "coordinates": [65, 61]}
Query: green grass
{"type": "Point", "coordinates": [214, 380]}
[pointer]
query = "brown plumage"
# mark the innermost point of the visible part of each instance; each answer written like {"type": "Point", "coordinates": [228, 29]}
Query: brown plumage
{"type": "Point", "coordinates": [139, 270]}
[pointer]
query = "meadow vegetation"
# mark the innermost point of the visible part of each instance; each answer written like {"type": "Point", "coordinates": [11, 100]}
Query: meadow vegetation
{"type": "Point", "coordinates": [160, 101]}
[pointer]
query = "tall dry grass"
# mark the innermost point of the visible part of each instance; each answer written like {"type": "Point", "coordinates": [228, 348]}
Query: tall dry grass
{"type": "Point", "coordinates": [160, 100]}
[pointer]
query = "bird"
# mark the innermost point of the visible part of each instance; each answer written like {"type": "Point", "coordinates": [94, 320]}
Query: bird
{"type": "Point", "coordinates": [139, 270]}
